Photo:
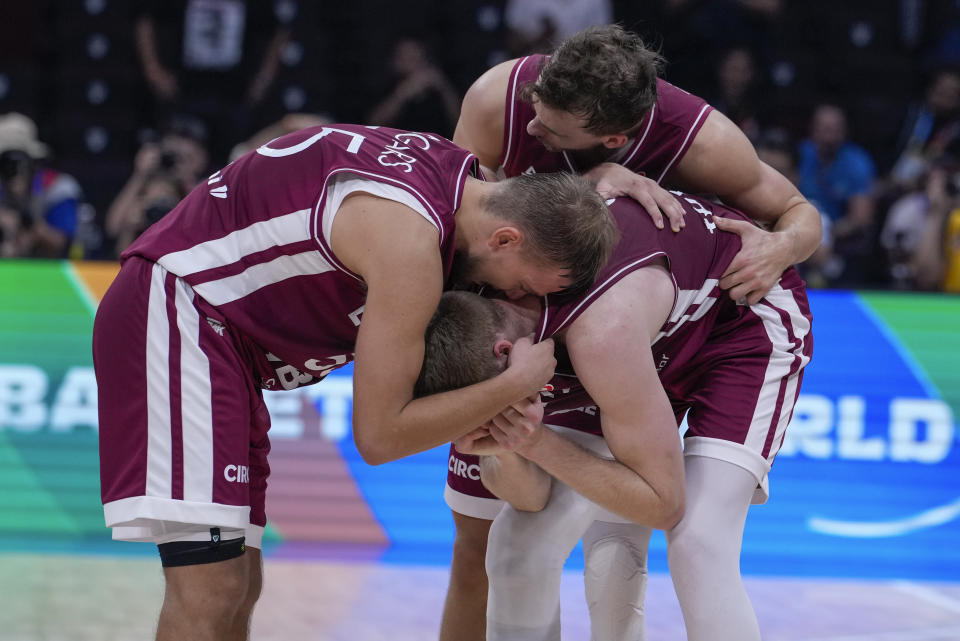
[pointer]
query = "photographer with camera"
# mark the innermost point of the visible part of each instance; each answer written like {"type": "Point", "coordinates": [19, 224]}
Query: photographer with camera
{"type": "Point", "coordinates": [164, 171]}
{"type": "Point", "coordinates": [38, 206]}
{"type": "Point", "coordinates": [921, 235]}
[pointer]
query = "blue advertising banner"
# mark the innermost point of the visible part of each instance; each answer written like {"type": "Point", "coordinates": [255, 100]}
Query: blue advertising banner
{"type": "Point", "coordinates": [867, 483]}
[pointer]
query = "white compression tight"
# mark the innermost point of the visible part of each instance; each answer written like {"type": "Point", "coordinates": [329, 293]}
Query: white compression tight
{"type": "Point", "coordinates": [615, 579]}
{"type": "Point", "coordinates": [525, 556]}
{"type": "Point", "coordinates": [704, 552]}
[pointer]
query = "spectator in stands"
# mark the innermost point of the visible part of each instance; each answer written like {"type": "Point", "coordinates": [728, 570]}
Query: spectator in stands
{"type": "Point", "coordinates": [163, 172]}
{"type": "Point", "coordinates": [736, 90]}
{"type": "Point", "coordinates": [695, 31]}
{"type": "Point", "coordinates": [838, 177]}
{"type": "Point", "coordinates": [776, 148]}
{"type": "Point", "coordinates": [936, 261]}
{"type": "Point", "coordinates": [423, 99]}
{"type": "Point", "coordinates": [930, 126]}
{"type": "Point", "coordinates": [184, 151]}
{"type": "Point", "coordinates": [921, 235]}
{"type": "Point", "coordinates": [38, 205]}
{"type": "Point", "coordinates": [210, 58]}
{"type": "Point", "coordinates": [537, 26]}
{"type": "Point", "coordinates": [158, 193]}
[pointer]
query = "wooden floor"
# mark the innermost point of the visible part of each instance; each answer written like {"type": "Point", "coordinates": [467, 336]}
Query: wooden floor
{"type": "Point", "coordinates": [91, 598]}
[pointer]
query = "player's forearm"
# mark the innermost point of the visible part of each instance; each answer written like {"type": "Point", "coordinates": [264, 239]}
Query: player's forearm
{"type": "Point", "coordinates": [800, 228]}
{"type": "Point", "coordinates": [516, 480]}
{"type": "Point", "coordinates": [384, 435]}
{"type": "Point", "coordinates": [608, 483]}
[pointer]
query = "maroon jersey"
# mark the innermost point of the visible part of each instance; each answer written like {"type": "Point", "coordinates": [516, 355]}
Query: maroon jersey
{"type": "Point", "coordinates": [665, 134]}
{"type": "Point", "coordinates": [696, 258]}
{"type": "Point", "coordinates": [253, 240]}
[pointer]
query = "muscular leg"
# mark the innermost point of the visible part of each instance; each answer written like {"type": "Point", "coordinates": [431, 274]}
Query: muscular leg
{"type": "Point", "coordinates": [615, 579]}
{"type": "Point", "coordinates": [704, 552]}
{"type": "Point", "coordinates": [465, 610]}
{"type": "Point", "coordinates": [203, 602]}
{"type": "Point", "coordinates": [525, 558]}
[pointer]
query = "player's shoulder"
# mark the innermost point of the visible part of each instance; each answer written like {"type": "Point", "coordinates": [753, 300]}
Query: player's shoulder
{"type": "Point", "coordinates": [488, 92]}
{"type": "Point", "coordinates": [667, 91]}
{"type": "Point", "coordinates": [481, 124]}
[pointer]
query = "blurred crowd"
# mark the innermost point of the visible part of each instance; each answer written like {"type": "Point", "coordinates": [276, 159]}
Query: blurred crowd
{"type": "Point", "coordinates": [111, 111]}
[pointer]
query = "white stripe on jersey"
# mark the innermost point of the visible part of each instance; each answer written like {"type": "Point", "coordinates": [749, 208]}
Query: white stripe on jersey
{"type": "Point", "coordinates": [466, 163]}
{"type": "Point", "coordinates": [231, 288]}
{"type": "Point", "coordinates": [282, 230]}
{"type": "Point", "coordinates": [687, 299]}
{"type": "Point", "coordinates": [159, 450]}
{"type": "Point", "coordinates": [684, 145]}
{"type": "Point", "coordinates": [196, 410]}
{"type": "Point", "coordinates": [344, 183]}
{"type": "Point", "coordinates": [513, 99]}
{"type": "Point", "coordinates": [653, 112]}
{"type": "Point", "coordinates": [591, 295]}
{"type": "Point", "coordinates": [782, 360]}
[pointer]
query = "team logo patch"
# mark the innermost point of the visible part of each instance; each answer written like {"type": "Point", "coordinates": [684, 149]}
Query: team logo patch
{"type": "Point", "coordinates": [217, 326]}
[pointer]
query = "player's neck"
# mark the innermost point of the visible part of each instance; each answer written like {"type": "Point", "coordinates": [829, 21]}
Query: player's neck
{"type": "Point", "coordinates": [470, 215]}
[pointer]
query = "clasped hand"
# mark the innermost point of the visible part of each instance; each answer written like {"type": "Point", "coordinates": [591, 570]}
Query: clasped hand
{"type": "Point", "coordinates": [516, 429]}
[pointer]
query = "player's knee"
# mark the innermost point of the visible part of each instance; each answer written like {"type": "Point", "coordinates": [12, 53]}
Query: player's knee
{"type": "Point", "coordinates": [614, 555]}
{"type": "Point", "coordinates": [690, 546]}
{"type": "Point", "coordinates": [518, 558]}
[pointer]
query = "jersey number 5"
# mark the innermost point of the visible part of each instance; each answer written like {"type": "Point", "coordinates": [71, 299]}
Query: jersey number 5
{"type": "Point", "coordinates": [352, 147]}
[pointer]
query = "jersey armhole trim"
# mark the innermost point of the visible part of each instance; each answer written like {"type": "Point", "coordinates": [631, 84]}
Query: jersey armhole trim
{"type": "Point", "coordinates": [601, 288]}
{"type": "Point", "coordinates": [318, 232]}
{"type": "Point", "coordinates": [512, 103]}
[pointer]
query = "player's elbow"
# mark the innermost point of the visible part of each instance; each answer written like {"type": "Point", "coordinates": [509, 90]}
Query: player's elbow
{"type": "Point", "coordinates": [373, 455]}
{"type": "Point", "coordinates": [663, 511]}
{"type": "Point", "coordinates": [672, 508]}
{"type": "Point", "coordinates": [373, 449]}
{"type": "Point", "coordinates": [673, 515]}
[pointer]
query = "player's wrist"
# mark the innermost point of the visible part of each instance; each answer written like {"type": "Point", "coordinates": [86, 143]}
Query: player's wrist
{"type": "Point", "coordinates": [517, 384]}
{"type": "Point", "coordinates": [536, 449]}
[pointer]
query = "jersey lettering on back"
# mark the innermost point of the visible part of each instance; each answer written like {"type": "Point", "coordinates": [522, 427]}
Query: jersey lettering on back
{"type": "Point", "coordinates": [251, 239]}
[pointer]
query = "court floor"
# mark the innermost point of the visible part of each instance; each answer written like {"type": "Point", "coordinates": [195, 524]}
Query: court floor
{"type": "Point", "coordinates": [51, 597]}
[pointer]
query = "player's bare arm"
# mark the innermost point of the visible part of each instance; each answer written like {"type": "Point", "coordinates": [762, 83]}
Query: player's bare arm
{"type": "Point", "coordinates": [609, 345]}
{"type": "Point", "coordinates": [395, 251]}
{"type": "Point", "coordinates": [480, 127]}
{"type": "Point", "coordinates": [758, 190]}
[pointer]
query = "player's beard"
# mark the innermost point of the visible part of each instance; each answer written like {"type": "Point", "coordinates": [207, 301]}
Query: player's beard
{"type": "Point", "coordinates": [462, 271]}
{"type": "Point", "coordinates": [586, 159]}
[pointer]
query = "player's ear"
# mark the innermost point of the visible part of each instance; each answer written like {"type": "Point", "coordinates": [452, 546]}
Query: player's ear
{"type": "Point", "coordinates": [501, 351]}
{"type": "Point", "coordinates": [505, 237]}
{"type": "Point", "coordinates": [614, 141]}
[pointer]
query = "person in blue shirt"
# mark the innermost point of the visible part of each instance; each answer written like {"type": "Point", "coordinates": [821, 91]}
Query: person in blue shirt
{"type": "Point", "coordinates": [838, 177]}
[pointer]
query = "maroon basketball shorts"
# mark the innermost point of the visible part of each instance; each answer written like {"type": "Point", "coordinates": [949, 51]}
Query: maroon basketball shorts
{"type": "Point", "coordinates": [183, 427]}
{"type": "Point", "coordinates": [734, 398]}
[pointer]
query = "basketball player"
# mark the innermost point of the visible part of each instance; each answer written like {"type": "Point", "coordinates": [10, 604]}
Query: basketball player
{"type": "Point", "coordinates": [654, 339]}
{"type": "Point", "coordinates": [260, 278]}
{"type": "Point", "coordinates": [597, 106]}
